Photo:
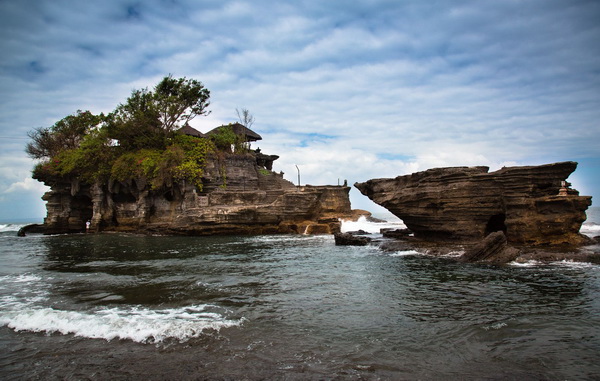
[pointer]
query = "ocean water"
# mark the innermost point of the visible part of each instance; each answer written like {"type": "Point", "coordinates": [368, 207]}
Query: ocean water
{"type": "Point", "coordinates": [293, 307]}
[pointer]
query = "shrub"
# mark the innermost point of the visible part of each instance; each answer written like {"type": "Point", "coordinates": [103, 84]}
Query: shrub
{"type": "Point", "coordinates": [195, 153]}
{"type": "Point", "coordinates": [224, 138]}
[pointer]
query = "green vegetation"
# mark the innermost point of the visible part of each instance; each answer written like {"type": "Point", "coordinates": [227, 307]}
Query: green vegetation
{"type": "Point", "coordinates": [264, 172]}
{"type": "Point", "coordinates": [225, 138]}
{"type": "Point", "coordinates": [139, 139]}
{"type": "Point", "coordinates": [65, 134]}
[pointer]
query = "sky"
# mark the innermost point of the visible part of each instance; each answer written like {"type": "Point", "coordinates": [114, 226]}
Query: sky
{"type": "Point", "coordinates": [345, 90]}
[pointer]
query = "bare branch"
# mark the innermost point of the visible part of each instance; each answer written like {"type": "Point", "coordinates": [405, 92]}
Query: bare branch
{"type": "Point", "coordinates": [245, 118]}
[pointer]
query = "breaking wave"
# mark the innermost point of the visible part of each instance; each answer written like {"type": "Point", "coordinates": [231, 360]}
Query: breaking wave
{"type": "Point", "coordinates": [10, 227]}
{"type": "Point", "coordinates": [27, 310]}
{"type": "Point", "coordinates": [138, 324]}
{"type": "Point", "coordinates": [590, 228]}
{"type": "Point", "coordinates": [370, 226]}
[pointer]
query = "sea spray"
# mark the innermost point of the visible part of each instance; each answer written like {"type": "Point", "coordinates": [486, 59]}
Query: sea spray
{"type": "Point", "coordinates": [371, 227]}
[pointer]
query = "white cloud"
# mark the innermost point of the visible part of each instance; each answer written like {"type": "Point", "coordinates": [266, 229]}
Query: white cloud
{"type": "Point", "coordinates": [27, 185]}
{"type": "Point", "coordinates": [350, 90]}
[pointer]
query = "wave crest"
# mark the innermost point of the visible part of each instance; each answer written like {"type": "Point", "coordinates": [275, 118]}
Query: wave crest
{"type": "Point", "coordinates": [138, 324]}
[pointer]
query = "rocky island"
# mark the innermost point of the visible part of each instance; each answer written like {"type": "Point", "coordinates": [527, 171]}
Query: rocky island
{"type": "Point", "coordinates": [530, 205]}
{"type": "Point", "coordinates": [143, 168]}
{"type": "Point", "coordinates": [513, 214]}
{"type": "Point", "coordinates": [255, 201]}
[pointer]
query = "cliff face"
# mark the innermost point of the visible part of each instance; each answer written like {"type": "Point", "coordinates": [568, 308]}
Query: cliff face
{"type": "Point", "coordinates": [239, 197]}
{"type": "Point", "coordinates": [532, 205]}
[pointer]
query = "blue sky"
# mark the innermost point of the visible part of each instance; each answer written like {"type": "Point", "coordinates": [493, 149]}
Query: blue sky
{"type": "Point", "coordinates": [344, 89]}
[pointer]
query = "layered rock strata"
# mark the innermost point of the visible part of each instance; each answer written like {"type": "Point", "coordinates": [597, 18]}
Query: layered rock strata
{"type": "Point", "coordinates": [239, 196]}
{"type": "Point", "coordinates": [532, 205]}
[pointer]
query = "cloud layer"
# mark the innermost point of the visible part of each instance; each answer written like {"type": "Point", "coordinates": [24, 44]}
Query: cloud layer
{"type": "Point", "coordinates": [344, 90]}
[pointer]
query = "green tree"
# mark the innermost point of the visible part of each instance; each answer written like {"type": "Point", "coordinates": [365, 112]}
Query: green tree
{"type": "Point", "coordinates": [149, 118]}
{"type": "Point", "coordinates": [180, 100]}
{"type": "Point", "coordinates": [90, 161]}
{"type": "Point", "coordinates": [65, 134]}
{"type": "Point", "coordinates": [224, 138]}
{"type": "Point", "coordinates": [81, 145]}
{"type": "Point", "coordinates": [135, 123]}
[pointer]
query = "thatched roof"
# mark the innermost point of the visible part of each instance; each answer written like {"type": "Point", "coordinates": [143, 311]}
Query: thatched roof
{"type": "Point", "coordinates": [188, 130]}
{"type": "Point", "coordinates": [238, 129]}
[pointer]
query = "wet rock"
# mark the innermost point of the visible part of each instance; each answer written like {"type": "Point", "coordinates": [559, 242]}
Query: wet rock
{"type": "Point", "coordinates": [533, 205]}
{"type": "Point", "coordinates": [358, 232]}
{"type": "Point", "coordinates": [28, 229]}
{"type": "Point", "coordinates": [396, 233]}
{"type": "Point", "coordinates": [547, 255]}
{"type": "Point", "coordinates": [347, 239]}
{"type": "Point", "coordinates": [493, 249]}
{"type": "Point", "coordinates": [393, 246]}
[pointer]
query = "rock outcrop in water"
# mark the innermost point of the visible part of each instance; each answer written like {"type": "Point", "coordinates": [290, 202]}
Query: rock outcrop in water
{"type": "Point", "coordinates": [143, 168]}
{"type": "Point", "coordinates": [493, 249]}
{"type": "Point", "coordinates": [347, 239]}
{"type": "Point", "coordinates": [240, 196]}
{"type": "Point", "coordinates": [31, 228]}
{"type": "Point", "coordinates": [532, 205]}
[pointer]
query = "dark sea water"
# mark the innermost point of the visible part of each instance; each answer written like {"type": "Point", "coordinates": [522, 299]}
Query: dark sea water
{"type": "Point", "coordinates": [295, 307]}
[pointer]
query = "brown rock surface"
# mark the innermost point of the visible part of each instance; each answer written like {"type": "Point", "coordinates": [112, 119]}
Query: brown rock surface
{"type": "Point", "coordinates": [239, 197]}
{"type": "Point", "coordinates": [493, 249]}
{"type": "Point", "coordinates": [347, 239]}
{"type": "Point", "coordinates": [469, 203]}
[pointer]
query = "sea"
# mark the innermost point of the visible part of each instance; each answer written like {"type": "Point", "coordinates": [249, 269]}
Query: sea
{"type": "Point", "coordinates": [287, 307]}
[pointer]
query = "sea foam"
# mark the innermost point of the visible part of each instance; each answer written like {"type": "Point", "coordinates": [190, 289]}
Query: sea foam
{"type": "Point", "coordinates": [404, 253]}
{"type": "Point", "coordinates": [370, 227]}
{"type": "Point", "coordinates": [138, 324]}
{"type": "Point", "coordinates": [590, 228]}
{"type": "Point", "coordinates": [25, 306]}
{"type": "Point", "coordinates": [10, 227]}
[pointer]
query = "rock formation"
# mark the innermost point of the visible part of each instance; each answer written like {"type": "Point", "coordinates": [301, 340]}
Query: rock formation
{"type": "Point", "coordinates": [240, 196]}
{"type": "Point", "coordinates": [532, 205]}
{"type": "Point", "coordinates": [32, 228]}
{"type": "Point", "coordinates": [348, 239]}
{"type": "Point", "coordinates": [493, 249]}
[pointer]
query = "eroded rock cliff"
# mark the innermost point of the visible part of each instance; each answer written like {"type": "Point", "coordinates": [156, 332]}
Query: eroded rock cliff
{"type": "Point", "coordinates": [532, 205]}
{"type": "Point", "coordinates": [240, 196]}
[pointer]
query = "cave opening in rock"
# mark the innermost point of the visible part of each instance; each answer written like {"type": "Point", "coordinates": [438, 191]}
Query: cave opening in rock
{"type": "Point", "coordinates": [496, 223]}
{"type": "Point", "coordinates": [169, 196]}
{"type": "Point", "coordinates": [123, 197]}
{"type": "Point", "coordinates": [82, 209]}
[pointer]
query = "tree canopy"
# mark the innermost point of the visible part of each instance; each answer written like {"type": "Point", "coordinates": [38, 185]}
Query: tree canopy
{"type": "Point", "coordinates": [148, 118]}
{"type": "Point", "coordinates": [65, 134]}
{"type": "Point", "coordinates": [180, 100]}
{"type": "Point", "coordinates": [138, 139]}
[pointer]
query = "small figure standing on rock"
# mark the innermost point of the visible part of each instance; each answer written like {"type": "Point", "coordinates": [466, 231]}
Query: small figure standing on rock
{"type": "Point", "coordinates": [87, 226]}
